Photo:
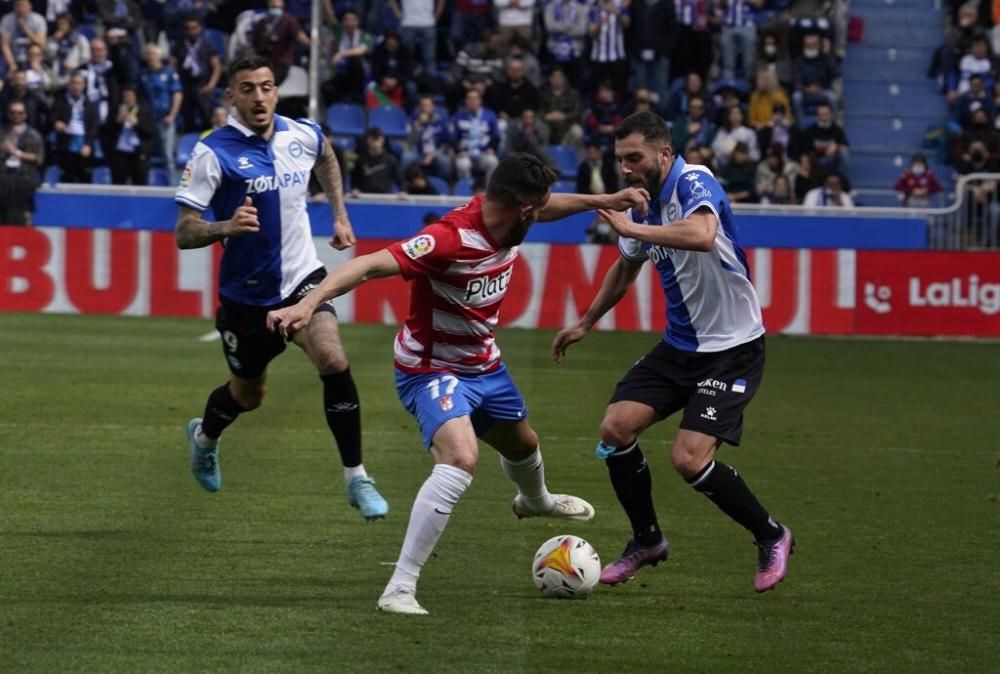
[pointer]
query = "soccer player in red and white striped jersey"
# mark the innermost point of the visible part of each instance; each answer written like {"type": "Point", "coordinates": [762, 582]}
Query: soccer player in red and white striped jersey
{"type": "Point", "coordinates": [448, 369]}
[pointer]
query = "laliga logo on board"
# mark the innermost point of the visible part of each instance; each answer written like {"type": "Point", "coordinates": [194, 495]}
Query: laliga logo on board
{"type": "Point", "coordinates": [957, 292]}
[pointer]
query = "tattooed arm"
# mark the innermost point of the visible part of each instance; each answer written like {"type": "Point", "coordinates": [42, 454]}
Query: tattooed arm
{"type": "Point", "coordinates": [327, 172]}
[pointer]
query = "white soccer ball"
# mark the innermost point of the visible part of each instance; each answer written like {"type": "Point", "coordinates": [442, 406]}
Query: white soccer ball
{"type": "Point", "coordinates": [566, 567]}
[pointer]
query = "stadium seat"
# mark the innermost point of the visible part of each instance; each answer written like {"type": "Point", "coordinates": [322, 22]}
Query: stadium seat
{"type": "Point", "coordinates": [463, 188]}
{"type": "Point", "coordinates": [185, 145]}
{"type": "Point", "coordinates": [565, 160]}
{"type": "Point", "coordinates": [158, 177]}
{"type": "Point", "coordinates": [345, 119]}
{"type": "Point", "coordinates": [390, 119]}
{"type": "Point", "coordinates": [101, 175]}
{"type": "Point", "coordinates": [345, 143]}
{"type": "Point", "coordinates": [440, 184]}
{"type": "Point", "coordinates": [52, 175]}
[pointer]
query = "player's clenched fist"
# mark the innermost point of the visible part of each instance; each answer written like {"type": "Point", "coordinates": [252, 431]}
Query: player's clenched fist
{"type": "Point", "coordinates": [244, 220]}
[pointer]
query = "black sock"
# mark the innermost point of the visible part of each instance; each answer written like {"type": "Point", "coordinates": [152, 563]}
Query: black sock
{"type": "Point", "coordinates": [634, 487]}
{"type": "Point", "coordinates": [726, 489]}
{"type": "Point", "coordinates": [220, 411]}
{"type": "Point", "coordinates": [343, 415]}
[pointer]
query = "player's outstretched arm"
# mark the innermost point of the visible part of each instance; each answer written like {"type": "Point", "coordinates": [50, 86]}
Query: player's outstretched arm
{"type": "Point", "coordinates": [695, 232]}
{"type": "Point", "coordinates": [328, 175]}
{"type": "Point", "coordinates": [616, 283]}
{"type": "Point", "coordinates": [344, 279]}
{"type": "Point", "coordinates": [564, 205]}
{"type": "Point", "coordinates": [192, 231]}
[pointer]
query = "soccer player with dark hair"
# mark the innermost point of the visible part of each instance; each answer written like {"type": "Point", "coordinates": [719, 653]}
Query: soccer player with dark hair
{"type": "Point", "coordinates": [449, 374]}
{"type": "Point", "coordinates": [709, 363]}
{"type": "Point", "coordinates": [254, 174]}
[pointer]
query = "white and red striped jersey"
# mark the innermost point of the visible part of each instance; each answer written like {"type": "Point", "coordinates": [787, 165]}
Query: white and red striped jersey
{"type": "Point", "coordinates": [460, 276]}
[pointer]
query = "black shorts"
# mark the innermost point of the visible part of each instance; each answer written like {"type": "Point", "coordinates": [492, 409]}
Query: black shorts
{"type": "Point", "coordinates": [246, 341]}
{"type": "Point", "coordinates": [712, 388]}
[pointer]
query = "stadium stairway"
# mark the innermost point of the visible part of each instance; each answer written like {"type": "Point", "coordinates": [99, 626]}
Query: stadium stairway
{"type": "Point", "coordinates": [889, 103]}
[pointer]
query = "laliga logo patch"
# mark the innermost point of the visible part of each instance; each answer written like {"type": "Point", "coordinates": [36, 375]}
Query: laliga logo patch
{"type": "Point", "coordinates": [446, 403]}
{"type": "Point", "coordinates": [186, 176]}
{"type": "Point", "coordinates": [419, 246]}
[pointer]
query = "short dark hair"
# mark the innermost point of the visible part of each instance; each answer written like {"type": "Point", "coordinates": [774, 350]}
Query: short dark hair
{"type": "Point", "coordinates": [647, 124]}
{"type": "Point", "coordinates": [252, 62]}
{"type": "Point", "coordinates": [520, 178]}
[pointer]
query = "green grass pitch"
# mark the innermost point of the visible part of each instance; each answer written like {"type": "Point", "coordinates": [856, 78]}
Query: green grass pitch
{"type": "Point", "coordinates": [881, 455]}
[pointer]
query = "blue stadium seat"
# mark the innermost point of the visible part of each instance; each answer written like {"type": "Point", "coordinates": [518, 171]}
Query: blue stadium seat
{"type": "Point", "coordinates": [345, 119]}
{"type": "Point", "coordinates": [904, 99]}
{"type": "Point", "coordinates": [463, 188]}
{"type": "Point", "coordinates": [101, 175]}
{"type": "Point", "coordinates": [440, 184]}
{"type": "Point", "coordinates": [185, 145]}
{"type": "Point", "coordinates": [345, 143]}
{"type": "Point", "coordinates": [217, 39]}
{"type": "Point", "coordinates": [390, 119]}
{"type": "Point", "coordinates": [564, 187]}
{"type": "Point", "coordinates": [158, 177]}
{"type": "Point", "coordinates": [52, 175]}
{"type": "Point", "coordinates": [565, 160]}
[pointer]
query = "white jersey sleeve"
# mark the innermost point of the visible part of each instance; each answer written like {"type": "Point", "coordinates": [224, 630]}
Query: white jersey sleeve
{"type": "Point", "coordinates": [201, 178]}
{"type": "Point", "coordinates": [631, 249]}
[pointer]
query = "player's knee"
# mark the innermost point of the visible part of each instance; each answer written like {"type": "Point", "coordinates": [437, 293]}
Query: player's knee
{"type": "Point", "coordinates": [250, 398]}
{"type": "Point", "coordinates": [332, 363]}
{"type": "Point", "coordinates": [688, 458]}
{"type": "Point", "coordinates": [463, 459]}
{"type": "Point", "coordinates": [616, 432]}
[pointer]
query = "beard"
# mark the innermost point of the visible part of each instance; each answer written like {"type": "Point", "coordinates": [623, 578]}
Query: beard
{"type": "Point", "coordinates": [517, 234]}
{"type": "Point", "coordinates": [651, 180]}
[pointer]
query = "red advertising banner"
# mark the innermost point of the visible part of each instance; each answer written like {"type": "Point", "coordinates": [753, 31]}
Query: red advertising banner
{"type": "Point", "coordinates": [928, 293]}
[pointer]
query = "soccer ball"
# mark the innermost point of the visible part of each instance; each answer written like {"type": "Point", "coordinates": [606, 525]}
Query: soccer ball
{"type": "Point", "coordinates": [566, 567]}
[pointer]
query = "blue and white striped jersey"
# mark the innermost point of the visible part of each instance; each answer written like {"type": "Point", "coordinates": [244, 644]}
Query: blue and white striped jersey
{"type": "Point", "coordinates": [262, 268]}
{"type": "Point", "coordinates": [711, 302]}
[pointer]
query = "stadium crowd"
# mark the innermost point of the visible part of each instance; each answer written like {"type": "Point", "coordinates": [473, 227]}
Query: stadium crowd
{"type": "Point", "coordinates": [118, 91]}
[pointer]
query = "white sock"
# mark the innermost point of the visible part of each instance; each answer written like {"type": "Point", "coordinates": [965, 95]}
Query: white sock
{"type": "Point", "coordinates": [428, 518]}
{"type": "Point", "coordinates": [203, 440]}
{"type": "Point", "coordinates": [356, 471]}
{"type": "Point", "coordinates": [529, 476]}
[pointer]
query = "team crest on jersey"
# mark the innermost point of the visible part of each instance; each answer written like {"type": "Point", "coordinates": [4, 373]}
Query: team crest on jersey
{"type": "Point", "coordinates": [446, 403]}
{"type": "Point", "coordinates": [418, 246]}
{"type": "Point", "coordinates": [186, 176]}
{"type": "Point", "coordinates": [244, 163]}
{"type": "Point", "coordinates": [295, 148]}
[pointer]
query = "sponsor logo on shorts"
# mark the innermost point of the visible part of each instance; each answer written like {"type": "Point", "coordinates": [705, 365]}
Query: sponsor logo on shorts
{"type": "Point", "coordinates": [418, 246]}
{"type": "Point", "coordinates": [446, 403]}
{"type": "Point", "coordinates": [740, 386]}
{"type": "Point", "coordinates": [714, 383]}
{"type": "Point", "coordinates": [709, 414]}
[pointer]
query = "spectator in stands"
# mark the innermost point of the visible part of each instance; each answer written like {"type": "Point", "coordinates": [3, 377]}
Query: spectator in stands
{"type": "Point", "coordinates": [733, 132]}
{"type": "Point", "coordinates": [813, 73]}
{"type": "Point", "coordinates": [513, 95]}
{"type": "Point", "coordinates": [18, 29]}
{"type": "Point", "coordinates": [376, 170]}
{"type": "Point", "coordinates": [608, 59]}
{"type": "Point", "coordinates": [766, 94]}
{"type": "Point", "coordinates": [199, 66]}
{"type": "Point", "coordinates": [808, 176]}
{"type": "Point", "coordinates": [103, 87]}
{"type": "Point", "coordinates": [131, 130]}
{"type": "Point", "coordinates": [693, 53]}
{"type": "Point", "coordinates": [220, 117]}
{"type": "Point", "coordinates": [739, 31]}
{"type": "Point", "coordinates": [477, 66]}
{"type": "Point", "coordinates": [566, 24]}
{"type": "Point", "coordinates": [40, 76]}
{"type": "Point", "coordinates": [428, 140]}
{"type": "Point", "coordinates": [780, 194]}
{"type": "Point", "coordinates": [977, 61]}
{"type": "Point", "coordinates": [519, 49]}
{"type": "Point", "coordinates": [830, 195]}
{"type": "Point", "coordinates": [918, 183]}
{"type": "Point", "coordinates": [605, 114]}
{"type": "Point", "coordinates": [416, 182]}
{"type": "Point", "coordinates": [598, 172]}
{"type": "Point", "coordinates": [653, 31]}
{"type": "Point", "coordinates": [275, 36]}
{"type": "Point", "coordinates": [67, 49]}
{"type": "Point", "coordinates": [827, 140]}
{"type": "Point", "coordinates": [561, 108]}
{"type": "Point", "coordinates": [120, 18]}
{"type": "Point", "coordinates": [958, 41]}
{"type": "Point", "coordinates": [75, 123]}
{"type": "Point", "coordinates": [241, 40]}
{"type": "Point", "coordinates": [981, 212]}
{"type": "Point", "coordinates": [161, 87]}
{"type": "Point", "coordinates": [37, 108]}
{"type": "Point", "coordinates": [703, 155]}
{"type": "Point", "coordinates": [978, 96]}
{"type": "Point", "coordinates": [351, 46]}
{"type": "Point", "coordinates": [475, 136]}
{"type": "Point", "coordinates": [775, 164]}
{"type": "Point", "coordinates": [642, 101]}
{"type": "Point", "coordinates": [390, 54]}
{"type": "Point", "coordinates": [527, 134]}
{"type": "Point", "coordinates": [695, 127]}
{"type": "Point", "coordinates": [739, 177]}
{"type": "Point", "coordinates": [779, 131]}
{"type": "Point", "coordinates": [694, 85]}
{"type": "Point", "coordinates": [774, 56]}
{"type": "Point", "coordinates": [468, 21]}
{"type": "Point", "coordinates": [515, 17]}
{"type": "Point", "coordinates": [417, 28]}
{"type": "Point", "coordinates": [387, 91]}
{"type": "Point", "coordinates": [22, 149]}
{"type": "Point", "coordinates": [980, 130]}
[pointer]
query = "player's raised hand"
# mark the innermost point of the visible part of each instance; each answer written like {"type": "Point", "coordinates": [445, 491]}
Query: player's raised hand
{"type": "Point", "coordinates": [288, 320]}
{"type": "Point", "coordinates": [343, 233]}
{"type": "Point", "coordinates": [244, 220]}
{"type": "Point", "coordinates": [620, 222]}
{"type": "Point", "coordinates": [566, 338]}
{"type": "Point", "coordinates": [636, 198]}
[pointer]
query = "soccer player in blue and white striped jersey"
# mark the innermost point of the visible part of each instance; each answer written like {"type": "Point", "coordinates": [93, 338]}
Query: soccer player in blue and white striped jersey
{"type": "Point", "coordinates": [254, 173]}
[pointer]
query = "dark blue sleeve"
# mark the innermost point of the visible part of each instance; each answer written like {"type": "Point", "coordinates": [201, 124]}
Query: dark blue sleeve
{"type": "Point", "coordinates": [699, 188]}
